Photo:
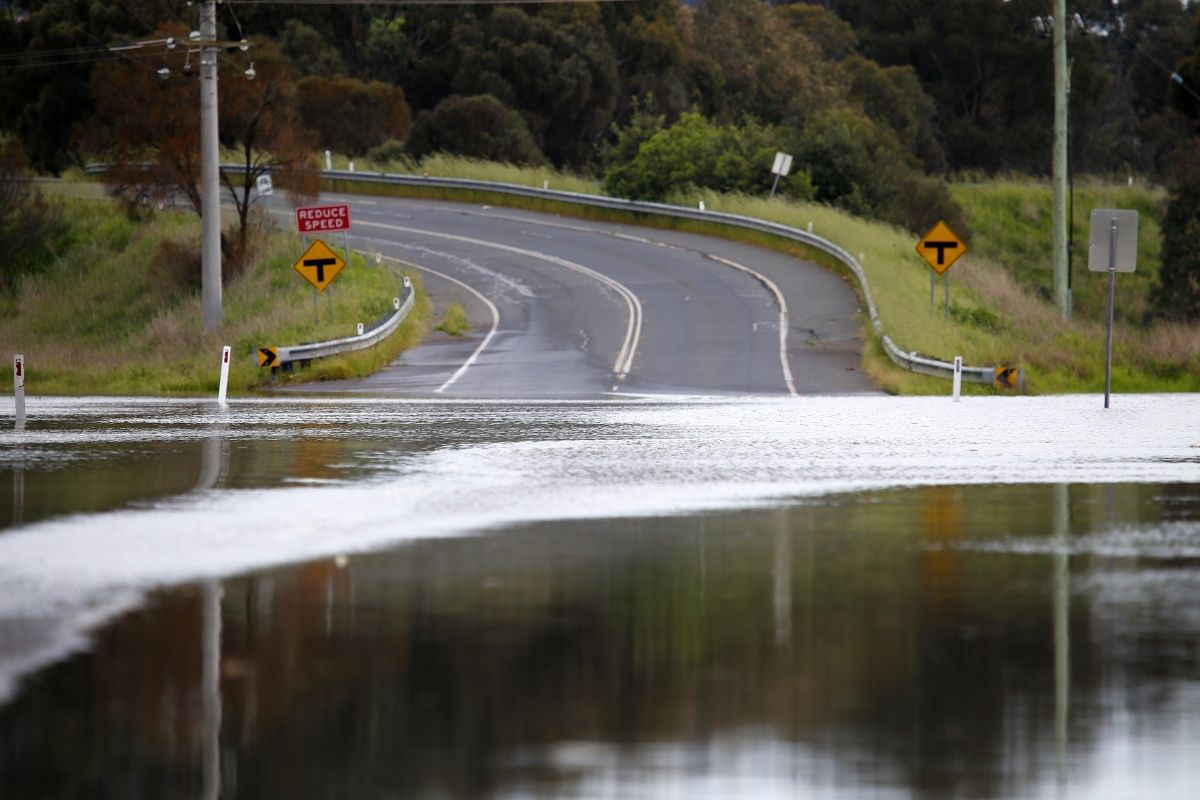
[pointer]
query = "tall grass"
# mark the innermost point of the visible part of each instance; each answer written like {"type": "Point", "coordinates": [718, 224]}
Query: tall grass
{"type": "Point", "coordinates": [448, 166]}
{"type": "Point", "coordinates": [120, 314]}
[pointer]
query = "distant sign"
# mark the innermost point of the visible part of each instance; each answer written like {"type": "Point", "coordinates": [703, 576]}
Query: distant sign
{"type": "Point", "coordinates": [1109, 225]}
{"type": "Point", "coordinates": [268, 356]}
{"type": "Point", "coordinates": [319, 265]}
{"type": "Point", "coordinates": [941, 247]}
{"type": "Point", "coordinates": [782, 165]}
{"type": "Point", "coordinates": [1008, 378]}
{"type": "Point", "coordinates": [311, 219]}
{"type": "Point", "coordinates": [263, 184]}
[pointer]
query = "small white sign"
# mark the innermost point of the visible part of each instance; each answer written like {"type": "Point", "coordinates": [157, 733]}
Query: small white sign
{"type": "Point", "coordinates": [264, 186]}
{"type": "Point", "coordinates": [782, 165]}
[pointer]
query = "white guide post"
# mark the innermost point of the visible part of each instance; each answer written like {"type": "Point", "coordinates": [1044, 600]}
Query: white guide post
{"type": "Point", "coordinates": [224, 374]}
{"type": "Point", "coordinates": [19, 389]}
{"type": "Point", "coordinates": [957, 378]}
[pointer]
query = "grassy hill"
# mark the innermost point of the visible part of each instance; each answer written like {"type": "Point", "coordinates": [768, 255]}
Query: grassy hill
{"type": "Point", "coordinates": [116, 309]}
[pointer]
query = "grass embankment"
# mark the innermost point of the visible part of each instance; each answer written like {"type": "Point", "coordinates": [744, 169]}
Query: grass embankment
{"type": "Point", "coordinates": [117, 309]}
{"type": "Point", "coordinates": [1000, 308]}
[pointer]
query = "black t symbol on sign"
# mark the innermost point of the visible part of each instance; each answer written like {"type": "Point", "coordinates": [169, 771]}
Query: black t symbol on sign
{"type": "Point", "coordinates": [321, 264]}
{"type": "Point", "coordinates": [941, 247]}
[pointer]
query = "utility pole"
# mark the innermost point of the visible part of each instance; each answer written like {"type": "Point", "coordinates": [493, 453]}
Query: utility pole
{"type": "Point", "coordinates": [210, 199]}
{"type": "Point", "coordinates": [1059, 221]}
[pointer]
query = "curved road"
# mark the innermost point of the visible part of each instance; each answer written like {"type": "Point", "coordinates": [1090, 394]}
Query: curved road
{"type": "Point", "coordinates": [564, 308]}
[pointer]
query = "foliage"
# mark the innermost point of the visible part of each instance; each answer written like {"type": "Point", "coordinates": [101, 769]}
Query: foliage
{"type": "Point", "coordinates": [25, 219]}
{"type": "Point", "coordinates": [476, 127]}
{"type": "Point", "coordinates": [455, 321]}
{"type": "Point", "coordinates": [695, 153]}
{"type": "Point", "coordinates": [1177, 295]}
{"type": "Point", "coordinates": [771, 70]}
{"type": "Point", "coordinates": [308, 51]}
{"type": "Point", "coordinates": [149, 130]}
{"type": "Point", "coordinates": [352, 116]}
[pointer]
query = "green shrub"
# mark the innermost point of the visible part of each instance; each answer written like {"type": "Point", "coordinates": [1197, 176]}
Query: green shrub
{"type": "Point", "coordinates": [478, 127]}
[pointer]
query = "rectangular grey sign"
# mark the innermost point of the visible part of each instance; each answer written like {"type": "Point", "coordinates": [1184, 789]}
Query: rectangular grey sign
{"type": "Point", "coordinates": [1101, 236]}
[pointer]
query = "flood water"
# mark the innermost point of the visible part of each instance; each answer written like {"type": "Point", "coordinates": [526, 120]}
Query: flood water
{"type": "Point", "coordinates": [832, 597]}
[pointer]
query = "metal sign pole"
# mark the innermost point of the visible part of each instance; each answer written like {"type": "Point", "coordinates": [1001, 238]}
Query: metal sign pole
{"type": "Point", "coordinates": [947, 295]}
{"type": "Point", "coordinates": [1112, 286]}
{"type": "Point", "coordinates": [932, 287]}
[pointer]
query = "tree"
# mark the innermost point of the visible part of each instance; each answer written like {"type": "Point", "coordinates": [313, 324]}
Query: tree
{"type": "Point", "coordinates": [477, 127]}
{"type": "Point", "coordinates": [1177, 295]}
{"type": "Point", "coordinates": [260, 117]}
{"type": "Point", "coordinates": [352, 116]}
{"type": "Point", "coordinates": [697, 153]}
{"type": "Point", "coordinates": [149, 130]}
{"type": "Point", "coordinates": [25, 219]}
{"type": "Point", "coordinates": [770, 69]}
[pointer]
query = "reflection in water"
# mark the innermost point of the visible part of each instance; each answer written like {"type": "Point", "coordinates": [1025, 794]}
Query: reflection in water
{"type": "Point", "coordinates": [1062, 627]}
{"type": "Point", "coordinates": [18, 515]}
{"type": "Point", "coordinates": [857, 645]}
{"type": "Point", "coordinates": [210, 692]}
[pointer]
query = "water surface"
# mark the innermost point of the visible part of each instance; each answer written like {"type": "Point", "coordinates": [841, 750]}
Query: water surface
{"type": "Point", "coordinates": [838, 597]}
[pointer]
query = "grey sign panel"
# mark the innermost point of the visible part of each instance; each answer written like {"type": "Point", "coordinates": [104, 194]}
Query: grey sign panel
{"type": "Point", "coordinates": [1099, 241]}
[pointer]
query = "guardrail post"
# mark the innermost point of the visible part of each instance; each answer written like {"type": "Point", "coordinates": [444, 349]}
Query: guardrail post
{"type": "Point", "coordinates": [957, 378]}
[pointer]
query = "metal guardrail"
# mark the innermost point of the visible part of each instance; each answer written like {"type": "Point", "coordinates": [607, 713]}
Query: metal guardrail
{"type": "Point", "coordinates": [348, 344]}
{"type": "Point", "coordinates": [912, 361]}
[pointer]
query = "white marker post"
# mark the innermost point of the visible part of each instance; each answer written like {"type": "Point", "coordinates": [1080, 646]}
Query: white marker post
{"type": "Point", "coordinates": [957, 378]}
{"type": "Point", "coordinates": [328, 160]}
{"type": "Point", "coordinates": [19, 389]}
{"type": "Point", "coordinates": [224, 375]}
{"type": "Point", "coordinates": [360, 329]}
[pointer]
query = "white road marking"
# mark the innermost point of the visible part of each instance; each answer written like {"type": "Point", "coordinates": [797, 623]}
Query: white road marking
{"type": "Point", "coordinates": [633, 330]}
{"type": "Point", "coordinates": [491, 307]}
{"type": "Point", "coordinates": [783, 316]}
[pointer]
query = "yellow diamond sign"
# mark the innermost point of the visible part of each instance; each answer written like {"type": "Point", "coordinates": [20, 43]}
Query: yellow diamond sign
{"type": "Point", "coordinates": [941, 247]}
{"type": "Point", "coordinates": [319, 265]}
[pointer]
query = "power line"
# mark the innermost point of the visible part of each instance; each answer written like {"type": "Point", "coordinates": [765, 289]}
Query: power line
{"type": "Point", "coordinates": [420, 2]}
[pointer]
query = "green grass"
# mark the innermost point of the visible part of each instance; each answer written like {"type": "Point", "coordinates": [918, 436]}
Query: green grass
{"type": "Point", "coordinates": [1011, 220]}
{"type": "Point", "coordinates": [455, 321]}
{"type": "Point", "coordinates": [115, 313]}
{"type": "Point", "coordinates": [447, 166]}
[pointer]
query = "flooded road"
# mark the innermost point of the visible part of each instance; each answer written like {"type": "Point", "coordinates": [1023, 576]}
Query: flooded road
{"type": "Point", "coordinates": [827, 597]}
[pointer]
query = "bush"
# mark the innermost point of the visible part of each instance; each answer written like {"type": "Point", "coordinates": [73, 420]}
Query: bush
{"type": "Point", "coordinates": [352, 116]}
{"type": "Point", "coordinates": [26, 221]}
{"type": "Point", "coordinates": [1177, 295]}
{"type": "Point", "coordinates": [695, 152]}
{"type": "Point", "coordinates": [478, 127]}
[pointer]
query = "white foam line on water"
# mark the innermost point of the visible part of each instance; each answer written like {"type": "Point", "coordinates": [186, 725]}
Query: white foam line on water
{"type": "Point", "coordinates": [65, 576]}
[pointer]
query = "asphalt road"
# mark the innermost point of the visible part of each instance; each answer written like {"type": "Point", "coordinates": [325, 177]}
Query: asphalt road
{"type": "Point", "coordinates": [563, 308]}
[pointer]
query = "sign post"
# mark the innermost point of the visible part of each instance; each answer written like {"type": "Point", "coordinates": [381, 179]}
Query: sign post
{"type": "Point", "coordinates": [19, 389]}
{"type": "Point", "coordinates": [265, 189]}
{"type": "Point", "coordinates": [1112, 248]}
{"type": "Point", "coordinates": [940, 247]}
